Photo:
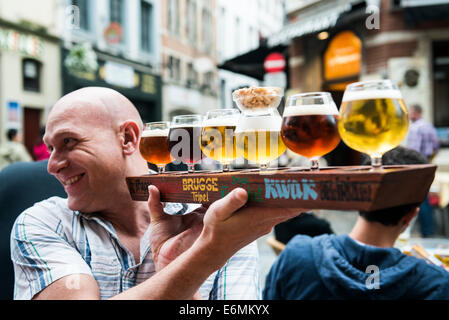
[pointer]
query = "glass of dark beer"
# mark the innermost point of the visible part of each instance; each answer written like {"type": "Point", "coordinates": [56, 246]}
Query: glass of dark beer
{"type": "Point", "coordinates": [154, 144]}
{"type": "Point", "coordinates": [184, 139]}
{"type": "Point", "coordinates": [310, 125]}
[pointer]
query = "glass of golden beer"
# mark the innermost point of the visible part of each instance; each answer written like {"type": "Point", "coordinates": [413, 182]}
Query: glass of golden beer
{"type": "Point", "coordinates": [257, 133]}
{"type": "Point", "coordinates": [373, 118]}
{"type": "Point", "coordinates": [184, 139]}
{"type": "Point", "coordinates": [309, 125]}
{"type": "Point", "coordinates": [154, 144]}
{"type": "Point", "coordinates": [217, 136]}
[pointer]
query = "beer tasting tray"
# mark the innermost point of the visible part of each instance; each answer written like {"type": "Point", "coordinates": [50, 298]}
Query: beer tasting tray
{"type": "Point", "coordinates": [333, 188]}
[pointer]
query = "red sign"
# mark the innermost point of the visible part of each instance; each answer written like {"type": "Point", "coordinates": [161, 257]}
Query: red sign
{"type": "Point", "coordinates": [113, 33]}
{"type": "Point", "coordinates": [274, 62]}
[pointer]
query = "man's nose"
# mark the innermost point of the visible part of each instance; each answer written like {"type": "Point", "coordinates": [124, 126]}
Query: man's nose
{"type": "Point", "coordinates": [56, 162]}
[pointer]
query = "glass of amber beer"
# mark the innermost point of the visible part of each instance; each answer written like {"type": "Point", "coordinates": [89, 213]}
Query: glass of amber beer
{"type": "Point", "coordinates": [257, 133]}
{"type": "Point", "coordinates": [184, 139]}
{"type": "Point", "coordinates": [309, 125]}
{"type": "Point", "coordinates": [217, 136]}
{"type": "Point", "coordinates": [373, 118]}
{"type": "Point", "coordinates": [154, 144]}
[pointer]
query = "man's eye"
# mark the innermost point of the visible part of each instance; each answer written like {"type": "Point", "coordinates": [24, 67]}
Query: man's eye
{"type": "Point", "coordinates": [68, 141]}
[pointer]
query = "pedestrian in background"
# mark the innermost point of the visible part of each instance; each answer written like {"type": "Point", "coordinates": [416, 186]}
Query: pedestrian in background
{"type": "Point", "coordinates": [40, 149]}
{"type": "Point", "coordinates": [422, 137]}
{"type": "Point", "coordinates": [13, 149]}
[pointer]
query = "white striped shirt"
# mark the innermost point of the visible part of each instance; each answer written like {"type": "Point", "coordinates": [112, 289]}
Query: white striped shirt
{"type": "Point", "coordinates": [49, 241]}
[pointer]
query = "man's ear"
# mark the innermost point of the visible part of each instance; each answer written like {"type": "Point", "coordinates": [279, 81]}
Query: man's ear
{"type": "Point", "coordinates": [129, 136]}
{"type": "Point", "coordinates": [409, 216]}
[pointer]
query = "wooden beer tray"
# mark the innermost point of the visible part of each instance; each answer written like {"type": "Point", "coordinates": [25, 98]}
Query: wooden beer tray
{"type": "Point", "coordinates": [334, 188]}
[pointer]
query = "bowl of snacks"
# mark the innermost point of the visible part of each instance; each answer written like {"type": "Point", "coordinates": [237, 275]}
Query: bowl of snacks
{"type": "Point", "coordinates": [257, 99]}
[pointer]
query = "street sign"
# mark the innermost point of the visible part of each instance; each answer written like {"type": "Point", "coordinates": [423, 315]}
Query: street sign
{"type": "Point", "coordinates": [274, 62]}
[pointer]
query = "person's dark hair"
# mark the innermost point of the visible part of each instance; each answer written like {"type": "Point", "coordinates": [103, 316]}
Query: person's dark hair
{"type": "Point", "coordinates": [417, 108]}
{"type": "Point", "coordinates": [11, 134]}
{"type": "Point", "coordinates": [391, 216]}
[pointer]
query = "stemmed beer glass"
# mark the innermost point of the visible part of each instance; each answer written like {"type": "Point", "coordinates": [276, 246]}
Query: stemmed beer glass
{"type": "Point", "coordinates": [309, 125]}
{"type": "Point", "coordinates": [373, 118]}
{"type": "Point", "coordinates": [184, 139]}
{"type": "Point", "coordinates": [154, 144]}
{"type": "Point", "coordinates": [217, 136]}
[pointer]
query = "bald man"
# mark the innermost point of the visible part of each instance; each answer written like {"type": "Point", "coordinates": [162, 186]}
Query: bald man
{"type": "Point", "coordinates": [97, 244]}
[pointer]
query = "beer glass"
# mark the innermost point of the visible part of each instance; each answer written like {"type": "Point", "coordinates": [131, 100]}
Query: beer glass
{"type": "Point", "coordinates": [309, 125]}
{"type": "Point", "coordinates": [257, 132]}
{"type": "Point", "coordinates": [154, 144]}
{"type": "Point", "coordinates": [258, 138]}
{"type": "Point", "coordinates": [184, 139]}
{"type": "Point", "coordinates": [373, 118]}
{"type": "Point", "coordinates": [217, 136]}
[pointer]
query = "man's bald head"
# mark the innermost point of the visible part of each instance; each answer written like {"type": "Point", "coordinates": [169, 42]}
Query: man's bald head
{"type": "Point", "coordinates": [106, 103]}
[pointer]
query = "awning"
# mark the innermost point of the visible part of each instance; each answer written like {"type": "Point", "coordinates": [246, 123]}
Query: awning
{"type": "Point", "coordinates": [251, 63]}
{"type": "Point", "coordinates": [414, 15]}
{"type": "Point", "coordinates": [317, 18]}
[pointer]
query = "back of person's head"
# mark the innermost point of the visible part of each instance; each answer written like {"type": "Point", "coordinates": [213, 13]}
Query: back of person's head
{"type": "Point", "coordinates": [392, 216]}
{"type": "Point", "coordinates": [11, 134]}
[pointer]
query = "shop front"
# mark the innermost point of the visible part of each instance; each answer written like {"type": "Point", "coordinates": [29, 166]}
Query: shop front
{"type": "Point", "coordinates": [30, 81]}
{"type": "Point", "coordinates": [135, 81]}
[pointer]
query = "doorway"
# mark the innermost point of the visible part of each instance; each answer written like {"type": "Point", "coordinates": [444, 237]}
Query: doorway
{"type": "Point", "coordinates": [32, 123]}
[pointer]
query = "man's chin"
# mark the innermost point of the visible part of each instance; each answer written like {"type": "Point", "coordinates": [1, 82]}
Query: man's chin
{"type": "Point", "coordinates": [76, 205]}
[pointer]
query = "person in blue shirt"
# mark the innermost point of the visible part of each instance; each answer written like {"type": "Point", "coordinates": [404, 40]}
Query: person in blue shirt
{"type": "Point", "coordinates": [361, 265]}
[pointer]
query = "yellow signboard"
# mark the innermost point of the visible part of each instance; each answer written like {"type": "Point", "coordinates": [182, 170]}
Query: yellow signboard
{"type": "Point", "coordinates": [343, 57]}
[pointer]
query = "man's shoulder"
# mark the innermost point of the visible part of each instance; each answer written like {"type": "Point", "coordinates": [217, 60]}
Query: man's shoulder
{"type": "Point", "coordinates": [49, 211]}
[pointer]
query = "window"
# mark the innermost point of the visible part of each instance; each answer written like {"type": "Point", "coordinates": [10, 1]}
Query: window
{"type": "Point", "coordinates": [173, 16]}
{"type": "Point", "coordinates": [191, 23]}
{"type": "Point", "coordinates": [116, 11]}
{"type": "Point", "coordinates": [192, 76]}
{"type": "Point", "coordinates": [146, 12]}
{"type": "Point", "coordinates": [207, 30]}
{"type": "Point", "coordinates": [174, 68]}
{"type": "Point", "coordinates": [84, 13]}
{"type": "Point", "coordinates": [31, 75]}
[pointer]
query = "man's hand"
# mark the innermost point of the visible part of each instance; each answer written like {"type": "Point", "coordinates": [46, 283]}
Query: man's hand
{"type": "Point", "coordinates": [229, 226]}
{"type": "Point", "coordinates": [171, 235]}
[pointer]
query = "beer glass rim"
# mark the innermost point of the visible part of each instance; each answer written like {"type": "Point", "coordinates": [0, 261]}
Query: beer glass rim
{"type": "Point", "coordinates": [232, 111]}
{"type": "Point", "coordinates": [149, 124]}
{"type": "Point", "coordinates": [187, 119]}
{"type": "Point", "coordinates": [327, 97]}
{"type": "Point", "coordinates": [379, 84]}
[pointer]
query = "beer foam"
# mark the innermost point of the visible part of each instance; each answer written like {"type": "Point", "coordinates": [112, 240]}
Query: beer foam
{"type": "Point", "coordinates": [307, 110]}
{"type": "Point", "coordinates": [223, 121]}
{"type": "Point", "coordinates": [155, 133]}
{"type": "Point", "coordinates": [371, 94]}
{"type": "Point", "coordinates": [268, 123]}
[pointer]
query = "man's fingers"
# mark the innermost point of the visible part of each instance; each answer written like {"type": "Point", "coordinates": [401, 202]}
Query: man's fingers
{"type": "Point", "coordinates": [224, 208]}
{"type": "Point", "coordinates": [154, 203]}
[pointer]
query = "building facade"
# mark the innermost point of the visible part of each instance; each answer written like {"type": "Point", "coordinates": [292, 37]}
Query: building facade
{"type": "Point", "coordinates": [241, 27]}
{"type": "Point", "coordinates": [333, 43]}
{"type": "Point", "coordinates": [115, 44]}
{"type": "Point", "coordinates": [29, 78]}
{"type": "Point", "coordinates": [336, 42]}
{"type": "Point", "coordinates": [189, 57]}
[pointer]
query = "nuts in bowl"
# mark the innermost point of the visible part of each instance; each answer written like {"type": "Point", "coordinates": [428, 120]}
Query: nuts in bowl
{"type": "Point", "coordinates": [257, 98]}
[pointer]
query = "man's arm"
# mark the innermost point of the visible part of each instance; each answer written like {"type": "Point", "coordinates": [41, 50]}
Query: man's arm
{"type": "Point", "coordinates": [227, 228]}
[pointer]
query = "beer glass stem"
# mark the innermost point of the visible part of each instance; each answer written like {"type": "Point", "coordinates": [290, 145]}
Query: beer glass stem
{"type": "Point", "coordinates": [226, 167]}
{"type": "Point", "coordinates": [161, 169]}
{"type": "Point", "coordinates": [314, 164]}
{"type": "Point", "coordinates": [190, 167]}
{"type": "Point", "coordinates": [263, 166]}
{"type": "Point", "coordinates": [376, 161]}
